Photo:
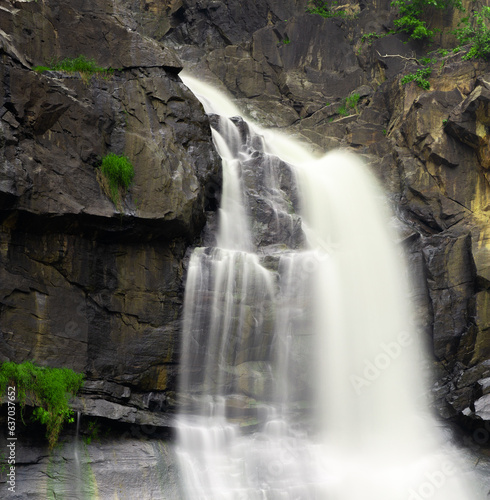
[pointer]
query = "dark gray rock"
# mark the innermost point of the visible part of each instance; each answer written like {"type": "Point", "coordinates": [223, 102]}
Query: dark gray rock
{"type": "Point", "coordinates": [126, 464]}
{"type": "Point", "coordinates": [65, 247]}
{"type": "Point", "coordinates": [86, 283]}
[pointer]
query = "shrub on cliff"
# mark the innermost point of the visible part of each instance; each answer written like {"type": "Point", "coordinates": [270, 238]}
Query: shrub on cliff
{"type": "Point", "coordinates": [47, 389]}
{"type": "Point", "coordinates": [413, 14]}
{"type": "Point", "coordinates": [324, 8]}
{"type": "Point", "coordinates": [476, 32]}
{"type": "Point", "coordinates": [119, 173]}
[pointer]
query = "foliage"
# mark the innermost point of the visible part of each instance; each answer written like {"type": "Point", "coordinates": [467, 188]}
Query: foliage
{"type": "Point", "coordinates": [119, 172]}
{"type": "Point", "coordinates": [419, 77]}
{"type": "Point", "coordinates": [428, 60]}
{"type": "Point", "coordinates": [41, 69]}
{"type": "Point", "coordinates": [322, 8]}
{"type": "Point", "coordinates": [349, 104]}
{"type": "Point", "coordinates": [48, 389]}
{"type": "Point", "coordinates": [476, 32]}
{"type": "Point", "coordinates": [343, 111]}
{"type": "Point", "coordinates": [412, 13]}
{"type": "Point", "coordinates": [93, 429]}
{"type": "Point", "coordinates": [352, 101]}
{"type": "Point", "coordinates": [78, 64]}
{"type": "Point", "coordinates": [370, 37]}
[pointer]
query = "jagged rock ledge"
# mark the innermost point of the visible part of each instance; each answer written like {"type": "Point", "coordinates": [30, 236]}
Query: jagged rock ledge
{"type": "Point", "coordinates": [112, 401]}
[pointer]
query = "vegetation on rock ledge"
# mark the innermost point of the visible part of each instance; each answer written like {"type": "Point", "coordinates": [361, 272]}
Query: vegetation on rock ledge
{"type": "Point", "coordinates": [419, 77]}
{"type": "Point", "coordinates": [324, 9]}
{"type": "Point", "coordinates": [79, 64]}
{"type": "Point", "coordinates": [47, 389]}
{"type": "Point", "coordinates": [413, 12]}
{"type": "Point", "coordinates": [476, 32]}
{"type": "Point", "coordinates": [119, 172]}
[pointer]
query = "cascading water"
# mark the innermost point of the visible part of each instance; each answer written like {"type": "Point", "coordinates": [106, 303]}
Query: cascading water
{"type": "Point", "coordinates": [300, 370]}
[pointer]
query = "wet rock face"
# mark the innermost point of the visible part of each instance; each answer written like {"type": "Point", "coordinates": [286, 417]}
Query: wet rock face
{"type": "Point", "coordinates": [271, 193]}
{"type": "Point", "coordinates": [441, 187]}
{"type": "Point", "coordinates": [429, 148]}
{"type": "Point", "coordinates": [85, 283]}
{"type": "Point", "coordinates": [280, 62]}
{"type": "Point", "coordinates": [123, 462]}
{"type": "Point", "coordinates": [42, 32]}
{"type": "Point", "coordinates": [288, 69]}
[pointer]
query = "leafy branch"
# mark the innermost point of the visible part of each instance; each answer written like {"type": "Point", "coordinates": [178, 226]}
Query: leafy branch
{"type": "Point", "coordinates": [476, 32]}
{"type": "Point", "coordinates": [48, 389]}
{"type": "Point", "coordinates": [413, 14]}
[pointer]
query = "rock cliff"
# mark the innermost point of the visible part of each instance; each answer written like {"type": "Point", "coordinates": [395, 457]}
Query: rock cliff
{"type": "Point", "coordinates": [97, 287]}
{"type": "Point", "coordinates": [84, 283]}
{"type": "Point", "coordinates": [291, 69]}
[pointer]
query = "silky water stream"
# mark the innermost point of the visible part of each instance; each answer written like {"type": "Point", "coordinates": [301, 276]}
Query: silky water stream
{"type": "Point", "coordinates": [300, 370]}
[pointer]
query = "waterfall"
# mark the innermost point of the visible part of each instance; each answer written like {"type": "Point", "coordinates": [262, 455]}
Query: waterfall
{"type": "Point", "coordinates": [300, 368]}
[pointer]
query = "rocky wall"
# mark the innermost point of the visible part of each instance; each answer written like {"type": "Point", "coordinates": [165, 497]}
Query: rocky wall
{"type": "Point", "coordinates": [429, 148]}
{"type": "Point", "coordinates": [65, 247]}
{"type": "Point", "coordinates": [85, 282]}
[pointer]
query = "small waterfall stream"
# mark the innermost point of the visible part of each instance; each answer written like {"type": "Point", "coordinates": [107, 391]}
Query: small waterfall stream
{"type": "Point", "coordinates": [300, 369]}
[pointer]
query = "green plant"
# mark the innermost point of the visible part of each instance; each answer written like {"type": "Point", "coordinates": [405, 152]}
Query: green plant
{"type": "Point", "coordinates": [443, 52]}
{"type": "Point", "coordinates": [343, 111]}
{"type": "Point", "coordinates": [286, 40]}
{"type": "Point", "coordinates": [427, 60]}
{"type": "Point", "coordinates": [348, 104]}
{"type": "Point", "coordinates": [78, 64]}
{"type": "Point", "coordinates": [412, 14]}
{"type": "Point", "coordinates": [41, 69]}
{"type": "Point", "coordinates": [322, 8]}
{"type": "Point", "coordinates": [352, 101]}
{"type": "Point", "coordinates": [370, 37]}
{"type": "Point", "coordinates": [419, 77]}
{"type": "Point", "coordinates": [93, 429]}
{"type": "Point", "coordinates": [48, 389]}
{"type": "Point", "coordinates": [119, 172]}
{"type": "Point", "coordinates": [476, 32]}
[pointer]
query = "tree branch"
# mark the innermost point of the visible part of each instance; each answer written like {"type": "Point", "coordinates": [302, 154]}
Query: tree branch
{"type": "Point", "coordinates": [401, 57]}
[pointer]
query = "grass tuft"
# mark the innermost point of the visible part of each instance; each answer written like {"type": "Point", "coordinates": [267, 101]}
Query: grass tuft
{"type": "Point", "coordinates": [80, 64]}
{"type": "Point", "coordinates": [119, 172]}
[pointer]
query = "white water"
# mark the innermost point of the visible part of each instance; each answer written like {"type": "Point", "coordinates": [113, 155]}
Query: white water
{"type": "Point", "coordinates": [304, 382]}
